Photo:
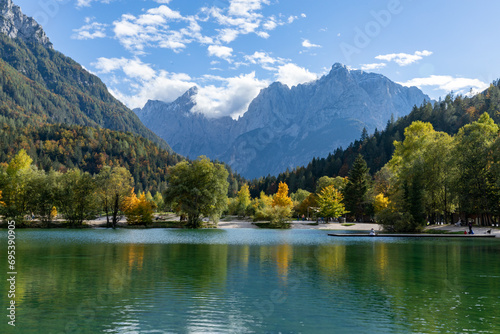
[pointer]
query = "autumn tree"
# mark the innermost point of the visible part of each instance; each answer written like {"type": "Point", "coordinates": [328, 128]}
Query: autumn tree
{"type": "Point", "coordinates": [15, 185]}
{"type": "Point", "coordinates": [330, 202]}
{"type": "Point", "coordinates": [281, 198]}
{"type": "Point", "coordinates": [198, 188]}
{"type": "Point", "coordinates": [243, 200]}
{"type": "Point", "coordinates": [137, 209]}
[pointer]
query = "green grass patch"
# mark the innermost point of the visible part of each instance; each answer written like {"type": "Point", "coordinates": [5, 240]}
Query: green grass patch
{"type": "Point", "coordinates": [347, 224]}
{"type": "Point", "coordinates": [432, 231]}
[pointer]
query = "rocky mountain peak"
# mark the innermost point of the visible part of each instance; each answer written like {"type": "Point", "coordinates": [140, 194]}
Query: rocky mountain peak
{"type": "Point", "coordinates": [285, 126]}
{"type": "Point", "coordinates": [15, 24]}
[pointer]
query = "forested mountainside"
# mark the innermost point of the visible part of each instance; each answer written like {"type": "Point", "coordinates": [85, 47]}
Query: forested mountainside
{"type": "Point", "coordinates": [41, 85]}
{"type": "Point", "coordinates": [447, 115]}
{"type": "Point", "coordinates": [61, 147]}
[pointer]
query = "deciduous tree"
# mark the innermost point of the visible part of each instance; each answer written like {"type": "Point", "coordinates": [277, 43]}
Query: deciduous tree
{"type": "Point", "coordinates": [199, 188]}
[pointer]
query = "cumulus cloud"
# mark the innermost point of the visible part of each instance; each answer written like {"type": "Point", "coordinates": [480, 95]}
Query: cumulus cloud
{"type": "Point", "coordinates": [448, 83]}
{"type": "Point", "coordinates": [151, 29]}
{"type": "Point", "coordinates": [292, 75]}
{"type": "Point", "coordinates": [231, 97]}
{"type": "Point", "coordinates": [404, 59]}
{"type": "Point", "coordinates": [220, 51]}
{"type": "Point", "coordinates": [133, 68]}
{"type": "Point", "coordinates": [217, 96]}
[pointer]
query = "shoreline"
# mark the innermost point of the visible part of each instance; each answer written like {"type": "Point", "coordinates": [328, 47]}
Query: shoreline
{"type": "Point", "coordinates": [171, 221]}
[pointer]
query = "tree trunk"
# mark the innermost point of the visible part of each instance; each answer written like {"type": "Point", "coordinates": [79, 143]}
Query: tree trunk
{"type": "Point", "coordinates": [116, 207]}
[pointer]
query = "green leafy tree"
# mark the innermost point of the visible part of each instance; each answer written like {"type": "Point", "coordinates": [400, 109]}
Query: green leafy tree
{"type": "Point", "coordinates": [77, 198]}
{"type": "Point", "coordinates": [475, 183]}
{"type": "Point", "coordinates": [159, 202]}
{"type": "Point", "coordinates": [199, 188]}
{"type": "Point", "coordinates": [338, 182]}
{"type": "Point", "coordinates": [44, 189]}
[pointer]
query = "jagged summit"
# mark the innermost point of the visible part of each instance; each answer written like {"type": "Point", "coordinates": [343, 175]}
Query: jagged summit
{"type": "Point", "coordinates": [15, 24]}
{"type": "Point", "coordinates": [285, 127]}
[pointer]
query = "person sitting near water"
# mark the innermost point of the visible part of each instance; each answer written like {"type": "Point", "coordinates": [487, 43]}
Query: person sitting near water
{"type": "Point", "coordinates": [372, 232]}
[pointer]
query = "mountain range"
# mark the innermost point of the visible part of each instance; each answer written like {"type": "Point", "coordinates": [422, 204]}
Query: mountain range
{"type": "Point", "coordinates": [284, 127]}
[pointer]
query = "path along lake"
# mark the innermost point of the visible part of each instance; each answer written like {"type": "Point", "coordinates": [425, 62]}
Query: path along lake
{"type": "Point", "coordinates": [249, 281]}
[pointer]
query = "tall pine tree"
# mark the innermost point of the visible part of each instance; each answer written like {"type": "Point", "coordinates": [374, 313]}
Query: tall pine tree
{"type": "Point", "coordinates": [356, 189]}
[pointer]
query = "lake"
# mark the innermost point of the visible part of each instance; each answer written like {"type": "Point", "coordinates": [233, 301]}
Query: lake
{"type": "Point", "coordinates": [249, 281]}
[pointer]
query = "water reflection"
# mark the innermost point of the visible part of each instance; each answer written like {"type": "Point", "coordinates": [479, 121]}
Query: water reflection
{"type": "Point", "coordinates": [250, 281]}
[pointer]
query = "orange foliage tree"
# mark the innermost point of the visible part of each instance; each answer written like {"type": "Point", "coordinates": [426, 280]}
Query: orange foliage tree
{"type": "Point", "coordinates": [137, 209]}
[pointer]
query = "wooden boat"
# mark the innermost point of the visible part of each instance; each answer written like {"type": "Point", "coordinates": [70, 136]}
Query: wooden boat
{"type": "Point", "coordinates": [357, 235]}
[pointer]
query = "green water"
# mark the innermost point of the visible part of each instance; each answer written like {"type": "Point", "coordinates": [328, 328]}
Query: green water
{"type": "Point", "coordinates": [250, 281]}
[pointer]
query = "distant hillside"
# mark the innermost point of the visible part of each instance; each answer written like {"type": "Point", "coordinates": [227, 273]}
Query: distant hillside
{"type": "Point", "coordinates": [40, 85]}
{"type": "Point", "coordinates": [447, 115]}
{"type": "Point", "coordinates": [284, 127]}
{"type": "Point", "coordinates": [61, 147]}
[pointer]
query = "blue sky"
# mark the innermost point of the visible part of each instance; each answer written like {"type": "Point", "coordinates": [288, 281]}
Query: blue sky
{"type": "Point", "coordinates": [230, 49]}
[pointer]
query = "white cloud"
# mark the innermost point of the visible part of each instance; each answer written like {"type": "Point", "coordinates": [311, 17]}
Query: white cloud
{"type": "Point", "coordinates": [307, 44]}
{"type": "Point", "coordinates": [90, 30]}
{"type": "Point", "coordinates": [404, 59]}
{"type": "Point", "coordinates": [231, 98]}
{"type": "Point", "coordinates": [86, 3]}
{"type": "Point", "coordinates": [292, 75]}
{"type": "Point", "coordinates": [164, 86]}
{"type": "Point", "coordinates": [245, 7]}
{"type": "Point", "coordinates": [151, 29]}
{"type": "Point", "coordinates": [448, 83]}
{"type": "Point", "coordinates": [220, 51]}
{"type": "Point", "coordinates": [265, 60]}
{"type": "Point", "coordinates": [371, 67]}
{"type": "Point", "coordinates": [133, 68]}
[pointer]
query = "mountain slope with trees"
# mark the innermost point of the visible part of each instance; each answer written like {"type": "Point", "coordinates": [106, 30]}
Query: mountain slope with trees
{"type": "Point", "coordinates": [41, 85]}
{"type": "Point", "coordinates": [447, 115]}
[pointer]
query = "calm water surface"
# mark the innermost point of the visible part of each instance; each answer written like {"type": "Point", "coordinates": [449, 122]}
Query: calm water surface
{"type": "Point", "coordinates": [250, 281]}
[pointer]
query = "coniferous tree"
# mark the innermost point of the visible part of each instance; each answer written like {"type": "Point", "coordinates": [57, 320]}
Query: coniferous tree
{"type": "Point", "coordinates": [356, 189]}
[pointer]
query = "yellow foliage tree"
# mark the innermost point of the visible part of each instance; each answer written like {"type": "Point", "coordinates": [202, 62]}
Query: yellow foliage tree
{"type": "Point", "coordinates": [53, 213]}
{"type": "Point", "coordinates": [243, 200]}
{"type": "Point", "coordinates": [137, 209]}
{"type": "Point", "coordinates": [1, 203]}
{"type": "Point", "coordinates": [281, 198]}
{"type": "Point", "coordinates": [381, 203]}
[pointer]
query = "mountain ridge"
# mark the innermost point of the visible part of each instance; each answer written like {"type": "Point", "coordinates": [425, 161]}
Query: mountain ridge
{"type": "Point", "coordinates": [284, 127]}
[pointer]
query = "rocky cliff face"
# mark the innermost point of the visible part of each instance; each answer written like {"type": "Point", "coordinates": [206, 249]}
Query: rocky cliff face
{"type": "Point", "coordinates": [285, 127]}
{"type": "Point", "coordinates": [15, 24]}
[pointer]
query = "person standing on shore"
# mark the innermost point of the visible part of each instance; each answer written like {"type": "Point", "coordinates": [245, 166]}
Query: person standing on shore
{"type": "Point", "coordinates": [470, 228]}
